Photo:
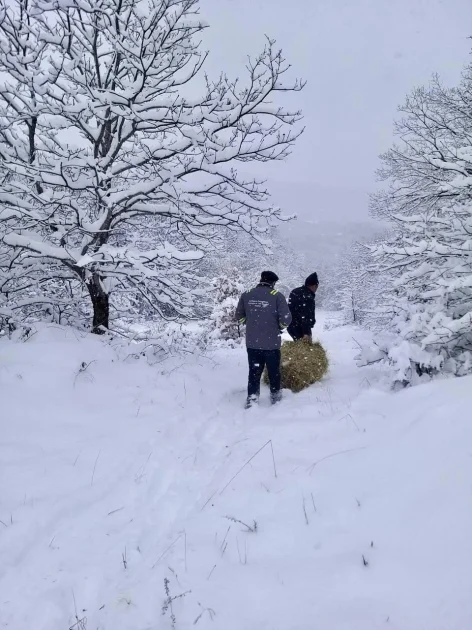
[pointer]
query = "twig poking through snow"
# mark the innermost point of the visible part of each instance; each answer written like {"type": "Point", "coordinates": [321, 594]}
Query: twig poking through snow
{"type": "Point", "coordinates": [175, 576]}
{"type": "Point", "coordinates": [349, 417]}
{"type": "Point", "coordinates": [248, 462]}
{"type": "Point", "coordinates": [304, 512]}
{"type": "Point", "coordinates": [210, 612]}
{"type": "Point", "coordinates": [208, 501]}
{"type": "Point", "coordinates": [80, 623]}
{"type": "Point", "coordinates": [94, 467]}
{"type": "Point", "coordinates": [273, 459]}
{"type": "Point", "coordinates": [252, 529]}
{"type": "Point", "coordinates": [222, 546]}
{"type": "Point", "coordinates": [167, 605]}
{"type": "Point", "coordinates": [140, 475]}
{"type": "Point", "coordinates": [185, 551]}
{"type": "Point", "coordinates": [115, 511]}
{"type": "Point", "coordinates": [168, 549]}
{"type": "Point", "coordinates": [211, 572]}
{"type": "Point", "coordinates": [83, 367]}
{"type": "Point", "coordinates": [355, 341]}
{"type": "Point", "coordinates": [349, 450]}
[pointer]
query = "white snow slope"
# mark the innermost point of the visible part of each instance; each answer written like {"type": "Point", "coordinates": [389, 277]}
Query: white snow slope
{"type": "Point", "coordinates": [117, 478]}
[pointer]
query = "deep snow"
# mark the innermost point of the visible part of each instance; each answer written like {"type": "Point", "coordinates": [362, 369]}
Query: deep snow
{"type": "Point", "coordinates": [119, 477]}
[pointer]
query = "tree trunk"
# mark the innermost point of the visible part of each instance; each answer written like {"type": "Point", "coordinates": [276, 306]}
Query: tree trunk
{"type": "Point", "coordinates": [101, 305]}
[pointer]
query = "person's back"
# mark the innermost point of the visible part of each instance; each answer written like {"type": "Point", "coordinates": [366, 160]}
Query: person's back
{"type": "Point", "coordinates": [265, 316]}
{"type": "Point", "coordinates": [302, 308]}
{"type": "Point", "coordinates": [265, 312]}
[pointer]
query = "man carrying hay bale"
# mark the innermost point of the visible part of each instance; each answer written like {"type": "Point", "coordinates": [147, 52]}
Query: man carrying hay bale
{"type": "Point", "coordinates": [302, 307]}
{"type": "Point", "coordinates": [265, 313]}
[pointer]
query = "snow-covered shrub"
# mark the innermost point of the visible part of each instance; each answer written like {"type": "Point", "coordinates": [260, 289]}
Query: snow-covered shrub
{"type": "Point", "coordinates": [226, 291]}
{"type": "Point", "coordinates": [5, 314]}
{"type": "Point", "coordinates": [157, 342]}
{"type": "Point", "coordinates": [7, 324]}
{"type": "Point", "coordinates": [429, 253]}
{"type": "Point", "coordinates": [431, 301]}
{"type": "Point", "coordinates": [406, 363]}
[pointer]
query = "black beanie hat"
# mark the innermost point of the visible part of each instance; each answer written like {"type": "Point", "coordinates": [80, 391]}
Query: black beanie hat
{"type": "Point", "coordinates": [311, 280]}
{"type": "Point", "coordinates": [269, 277]}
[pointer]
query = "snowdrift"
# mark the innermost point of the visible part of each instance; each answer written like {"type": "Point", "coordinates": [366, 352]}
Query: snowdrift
{"type": "Point", "coordinates": [130, 493]}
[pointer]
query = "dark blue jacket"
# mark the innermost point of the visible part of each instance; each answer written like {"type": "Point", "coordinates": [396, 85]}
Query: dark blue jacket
{"type": "Point", "coordinates": [265, 312]}
{"type": "Point", "coordinates": [302, 307]}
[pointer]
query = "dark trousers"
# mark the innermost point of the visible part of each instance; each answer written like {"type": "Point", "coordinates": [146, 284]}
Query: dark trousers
{"type": "Point", "coordinates": [258, 360]}
{"type": "Point", "coordinates": [296, 331]}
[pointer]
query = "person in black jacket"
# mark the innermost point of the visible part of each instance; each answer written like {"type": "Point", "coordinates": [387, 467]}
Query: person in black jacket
{"type": "Point", "coordinates": [302, 307]}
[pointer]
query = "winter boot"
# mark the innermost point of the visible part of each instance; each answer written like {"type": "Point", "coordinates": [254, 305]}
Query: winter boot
{"type": "Point", "coordinates": [275, 397]}
{"type": "Point", "coordinates": [251, 401]}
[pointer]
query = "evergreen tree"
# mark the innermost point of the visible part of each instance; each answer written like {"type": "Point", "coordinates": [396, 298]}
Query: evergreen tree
{"type": "Point", "coordinates": [429, 253]}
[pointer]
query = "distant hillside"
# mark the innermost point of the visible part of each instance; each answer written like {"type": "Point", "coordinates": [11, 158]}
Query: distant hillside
{"type": "Point", "coordinates": [322, 242]}
{"type": "Point", "coordinates": [328, 219]}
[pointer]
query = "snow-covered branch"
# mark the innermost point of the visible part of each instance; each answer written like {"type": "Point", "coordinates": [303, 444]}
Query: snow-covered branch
{"type": "Point", "coordinates": [111, 163]}
{"type": "Point", "coordinates": [428, 202]}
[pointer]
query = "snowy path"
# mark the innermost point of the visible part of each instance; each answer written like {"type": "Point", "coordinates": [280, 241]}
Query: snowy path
{"type": "Point", "coordinates": [120, 477]}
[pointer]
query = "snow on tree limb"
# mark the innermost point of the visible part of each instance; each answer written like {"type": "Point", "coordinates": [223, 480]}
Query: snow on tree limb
{"type": "Point", "coordinates": [429, 254]}
{"type": "Point", "coordinates": [107, 153]}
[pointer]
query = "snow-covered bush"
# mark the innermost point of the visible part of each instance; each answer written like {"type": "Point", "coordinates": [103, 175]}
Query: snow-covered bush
{"type": "Point", "coordinates": [429, 254]}
{"type": "Point", "coordinates": [226, 293]}
{"type": "Point", "coordinates": [114, 183]}
{"type": "Point", "coordinates": [159, 341]}
{"type": "Point", "coordinates": [406, 363]}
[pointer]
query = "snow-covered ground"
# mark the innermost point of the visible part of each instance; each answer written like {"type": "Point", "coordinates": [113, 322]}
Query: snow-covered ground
{"type": "Point", "coordinates": [123, 475]}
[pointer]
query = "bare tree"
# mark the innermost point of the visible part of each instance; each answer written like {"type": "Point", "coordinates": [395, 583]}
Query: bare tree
{"type": "Point", "coordinates": [116, 175]}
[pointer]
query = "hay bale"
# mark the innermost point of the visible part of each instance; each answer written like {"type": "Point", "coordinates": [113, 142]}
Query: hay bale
{"type": "Point", "coordinates": [302, 364]}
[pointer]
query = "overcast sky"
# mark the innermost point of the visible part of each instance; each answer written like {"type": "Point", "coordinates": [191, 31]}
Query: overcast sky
{"type": "Point", "coordinates": [360, 58]}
